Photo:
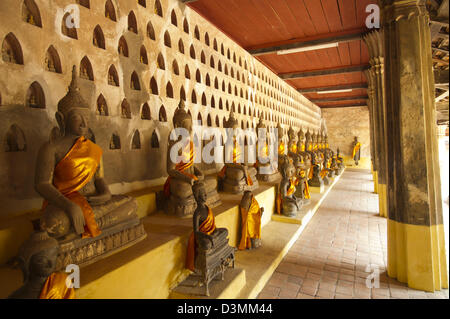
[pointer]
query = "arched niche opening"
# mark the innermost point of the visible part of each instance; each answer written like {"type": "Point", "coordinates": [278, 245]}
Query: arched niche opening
{"type": "Point", "coordinates": [135, 83]}
{"type": "Point", "coordinates": [143, 55]}
{"type": "Point", "coordinates": [226, 69]}
{"type": "Point", "coordinates": [136, 141]}
{"type": "Point", "coordinates": [203, 58]}
{"type": "Point", "coordinates": [219, 66]}
{"type": "Point", "coordinates": [142, 3]}
{"type": "Point", "coordinates": [175, 68]}
{"type": "Point", "coordinates": [102, 106]}
{"type": "Point", "coordinates": [182, 94]}
{"type": "Point", "coordinates": [98, 39]}
{"type": "Point", "coordinates": [123, 47]}
{"type": "Point", "coordinates": [86, 71]}
{"type": "Point", "coordinates": [228, 54]}
{"type": "Point", "coordinates": [167, 41]}
{"type": "Point", "coordinates": [154, 141]}
{"type": "Point", "coordinates": [199, 119]}
{"type": "Point", "coordinates": [187, 72]}
{"type": "Point", "coordinates": [125, 109]}
{"type": "Point", "coordinates": [160, 62]}
{"type": "Point", "coordinates": [151, 31]}
{"type": "Point", "coordinates": [220, 104]}
{"type": "Point", "coordinates": [173, 18]}
{"type": "Point", "coordinates": [222, 49]}
{"type": "Point", "coordinates": [217, 121]}
{"type": "Point", "coordinates": [113, 77]}
{"type": "Point", "coordinates": [207, 80]}
{"type": "Point", "coordinates": [223, 86]}
{"type": "Point", "coordinates": [84, 3]}
{"type": "Point", "coordinates": [215, 44]}
{"type": "Point", "coordinates": [15, 139]}
{"type": "Point", "coordinates": [169, 90]}
{"type": "Point", "coordinates": [216, 83]}
{"type": "Point", "coordinates": [192, 52]}
{"type": "Point", "coordinates": [132, 22]}
{"type": "Point", "coordinates": [162, 114]}
{"type": "Point", "coordinates": [207, 38]}
{"type": "Point", "coordinates": [52, 60]}
{"type": "Point", "coordinates": [198, 76]}
{"type": "Point", "coordinates": [145, 113]}
{"type": "Point", "coordinates": [211, 62]}
{"type": "Point", "coordinates": [68, 26]}
{"type": "Point", "coordinates": [204, 99]}
{"type": "Point", "coordinates": [209, 121]}
{"type": "Point", "coordinates": [158, 8]}
{"type": "Point", "coordinates": [110, 11]}
{"type": "Point", "coordinates": [11, 50]}
{"type": "Point", "coordinates": [181, 46]}
{"type": "Point", "coordinates": [114, 143]}
{"type": "Point", "coordinates": [186, 26]}
{"type": "Point", "coordinates": [213, 102]}
{"type": "Point", "coordinates": [35, 96]}
{"type": "Point", "coordinates": [197, 33]}
{"type": "Point", "coordinates": [193, 97]}
{"type": "Point", "coordinates": [154, 86]}
{"type": "Point", "coordinates": [31, 13]}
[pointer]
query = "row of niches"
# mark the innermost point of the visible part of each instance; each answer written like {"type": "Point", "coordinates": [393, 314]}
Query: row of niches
{"type": "Point", "coordinates": [31, 14]}
{"type": "Point", "coordinates": [15, 139]}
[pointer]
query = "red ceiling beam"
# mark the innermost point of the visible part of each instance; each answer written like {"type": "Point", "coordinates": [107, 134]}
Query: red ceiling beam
{"type": "Point", "coordinates": [307, 74]}
{"type": "Point", "coordinates": [357, 86]}
{"type": "Point", "coordinates": [338, 99]}
{"type": "Point", "coordinates": [343, 105]}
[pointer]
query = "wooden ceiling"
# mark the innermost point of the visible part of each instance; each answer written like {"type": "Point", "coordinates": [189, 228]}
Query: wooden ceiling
{"type": "Point", "coordinates": [265, 26]}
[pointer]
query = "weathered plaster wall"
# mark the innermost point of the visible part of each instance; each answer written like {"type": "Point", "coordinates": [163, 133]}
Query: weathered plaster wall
{"type": "Point", "coordinates": [127, 169]}
{"type": "Point", "coordinates": [344, 124]}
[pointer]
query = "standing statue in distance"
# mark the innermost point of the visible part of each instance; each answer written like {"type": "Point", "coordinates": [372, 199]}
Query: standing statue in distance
{"type": "Point", "coordinates": [356, 152]}
{"type": "Point", "coordinates": [208, 252]}
{"type": "Point", "coordinates": [287, 203]}
{"type": "Point", "coordinates": [37, 259]}
{"type": "Point", "coordinates": [251, 215]}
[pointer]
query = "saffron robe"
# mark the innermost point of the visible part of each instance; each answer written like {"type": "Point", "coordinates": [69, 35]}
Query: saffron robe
{"type": "Point", "coordinates": [289, 192]}
{"type": "Point", "coordinates": [236, 157]}
{"type": "Point", "coordinates": [55, 287]}
{"type": "Point", "coordinates": [207, 227]}
{"type": "Point", "coordinates": [72, 173]}
{"type": "Point", "coordinates": [250, 225]}
{"type": "Point", "coordinates": [356, 151]}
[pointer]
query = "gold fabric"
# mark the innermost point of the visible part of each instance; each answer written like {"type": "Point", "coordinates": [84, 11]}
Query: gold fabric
{"type": "Point", "coordinates": [55, 287]}
{"type": "Point", "coordinates": [302, 148]}
{"type": "Point", "coordinates": [294, 148]}
{"type": "Point", "coordinates": [251, 224]}
{"type": "Point", "coordinates": [279, 198]}
{"type": "Point", "coordinates": [182, 167]}
{"type": "Point", "coordinates": [236, 157]}
{"type": "Point", "coordinates": [356, 149]}
{"type": "Point", "coordinates": [281, 148]}
{"type": "Point", "coordinates": [306, 193]}
{"type": "Point", "coordinates": [73, 172]}
{"type": "Point", "coordinates": [207, 227]}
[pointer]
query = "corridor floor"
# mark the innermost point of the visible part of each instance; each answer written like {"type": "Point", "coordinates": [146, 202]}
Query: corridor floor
{"type": "Point", "coordinates": [343, 244]}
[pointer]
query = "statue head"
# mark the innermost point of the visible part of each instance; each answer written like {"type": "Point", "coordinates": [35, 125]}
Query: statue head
{"type": "Point", "coordinates": [246, 200]}
{"type": "Point", "coordinates": [292, 135]}
{"type": "Point", "coordinates": [37, 255]}
{"type": "Point", "coordinates": [280, 131]}
{"type": "Point", "coordinates": [287, 168]}
{"type": "Point", "coordinates": [356, 138]}
{"type": "Point", "coordinates": [181, 118]}
{"type": "Point", "coordinates": [199, 191]}
{"type": "Point", "coordinates": [73, 111]}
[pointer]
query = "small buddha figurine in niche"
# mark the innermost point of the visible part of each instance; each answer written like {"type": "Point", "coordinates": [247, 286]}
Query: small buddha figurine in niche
{"type": "Point", "coordinates": [208, 252]}
{"type": "Point", "coordinates": [267, 171]}
{"type": "Point", "coordinates": [78, 208]}
{"type": "Point", "coordinates": [251, 215]}
{"type": "Point", "coordinates": [32, 100]}
{"type": "Point", "coordinates": [287, 203]}
{"type": "Point", "coordinates": [7, 53]}
{"type": "Point", "coordinates": [356, 153]}
{"type": "Point", "coordinates": [236, 177]}
{"type": "Point", "coordinates": [177, 196]}
{"type": "Point", "coordinates": [37, 259]}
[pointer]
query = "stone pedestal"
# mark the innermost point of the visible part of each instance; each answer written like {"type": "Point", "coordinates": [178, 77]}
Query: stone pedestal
{"type": "Point", "coordinates": [416, 248]}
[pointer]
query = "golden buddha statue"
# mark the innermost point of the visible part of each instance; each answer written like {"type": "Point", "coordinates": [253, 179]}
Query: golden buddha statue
{"type": "Point", "coordinates": [78, 206]}
{"type": "Point", "coordinates": [304, 157]}
{"type": "Point", "coordinates": [267, 170]}
{"type": "Point", "coordinates": [236, 177]}
{"type": "Point", "coordinates": [177, 197]}
{"type": "Point", "coordinates": [287, 203]}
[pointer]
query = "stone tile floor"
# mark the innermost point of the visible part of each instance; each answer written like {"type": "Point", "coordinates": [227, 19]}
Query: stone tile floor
{"type": "Point", "coordinates": [341, 246]}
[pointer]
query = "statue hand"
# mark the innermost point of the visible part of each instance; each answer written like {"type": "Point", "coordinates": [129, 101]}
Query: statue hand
{"type": "Point", "coordinates": [99, 199]}
{"type": "Point", "coordinates": [76, 214]}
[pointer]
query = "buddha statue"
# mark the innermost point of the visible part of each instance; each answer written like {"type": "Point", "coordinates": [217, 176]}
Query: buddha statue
{"type": "Point", "coordinates": [178, 198]}
{"type": "Point", "coordinates": [236, 177]}
{"type": "Point", "coordinates": [79, 210]}
{"type": "Point", "coordinates": [304, 157]}
{"type": "Point", "coordinates": [356, 153]}
{"type": "Point", "coordinates": [286, 202]}
{"type": "Point", "coordinates": [267, 171]}
{"type": "Point", "coordinates": [37, 259]}
{"type": "Point", "coordinates": [340, 163]}
{"type": "Point", "coordinates": [251, 215]}
{"type": "Point", "coordinates": [301, 186]}
{"type": "Point", "coordinates": [314, 178]}
{"type": "Point", "coordinates": [208, 253]}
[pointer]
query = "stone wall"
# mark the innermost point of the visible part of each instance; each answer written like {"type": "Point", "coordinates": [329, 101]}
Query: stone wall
{"type": "Point", "coordinates": [343, 124]}
{"type": "Point", "coordinates": [221, 76]}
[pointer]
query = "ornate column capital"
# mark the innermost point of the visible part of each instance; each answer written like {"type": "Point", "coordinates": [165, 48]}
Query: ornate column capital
{"type": "Point", "coordinates": [397, 10]}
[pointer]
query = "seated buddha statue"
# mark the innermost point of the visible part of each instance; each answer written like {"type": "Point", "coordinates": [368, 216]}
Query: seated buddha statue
{"type": "Point", "coordinates": [37, 259]}
{"type": "Point", "coordinates": [302, 187]}
{"type": "Point", "coordinates": [304, 157]}
{"type": "Point", "coordinates": [292, 143]}
{"type": "Point", "coordinates": [340, 163]}
{"type": "Point", "coordinates": [287, 203]}
{"type": "Point", "coordinates": [208, 252]}
{"type": "Point", "coordinates": [78, 205]}
{"type": "Point", "coordinates": [314, 178]}
{"type": "Point", "coordinates": [236, 177]}
{"type": "Point", "coordinates": [251, 215]}
{"type": "Point", "coordinates": [183, 173]}
{"type": "Point", "coordinates": [267, 170]}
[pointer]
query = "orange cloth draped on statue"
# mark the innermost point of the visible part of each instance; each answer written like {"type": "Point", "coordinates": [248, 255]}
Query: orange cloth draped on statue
{"type": "Point", "coordinates": [251, 224]}
{"type": "Point", "coordinates": [311, 172]}
{"type": "Point", "coordinates": [289, 192]}
{"type": "Point", "coordinates": [207, 227]}
{"type": "Point", "coordinates": [72, 173]}
{"type": "Point", "coordinates": [356, 149]}
{"type": "Point", "coordinates": [55, 287]}
{"type": "Point", "coordinates": [236, 157]}
{"type": "Point", "coordinates": [181, 167]}
{"type": "Point", "coordinates": [323, 173]}
{"type": "Point", "coordinates": [306, 193]}
{"type": "Point", "coordinates": [281, 148]}
{"type": "Point", "coordinates": [302, 149]}
{"type": "Point", "coordinates": [294, 148]}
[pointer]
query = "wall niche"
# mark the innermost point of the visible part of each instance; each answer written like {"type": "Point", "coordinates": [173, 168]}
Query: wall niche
{"type": "Point", "coordinates": [113, 77]}
{"type": "Point", "coordinates": [145, 113]}
{"type": "Point", "coordinates": [52, 60]}
{"type": "Point", "coordinates": [125, 109]}
{"type": "Point", "coordinates": [110, 11]}
{"type": "Point", "coordinates": [136, 141]}
{"type": "Point", "coordinates": [102, 106]}
{"type": "Point", "coordinates": [86, 71]}
{"type": "Point", "coordinates": [35, 96]}
{"type": "Point", "coordinates": [15, 140]}
{"type": "Point", "coordinates": [68, 26]}
{"type": "Point", "coordinates": [11, 50]}
{"type": "Point", "coordinates": [114, 143]}
{"type": "Point", "coordinates": [98, 39]}
{"type": "Point", "coordinates": [31, 14]}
